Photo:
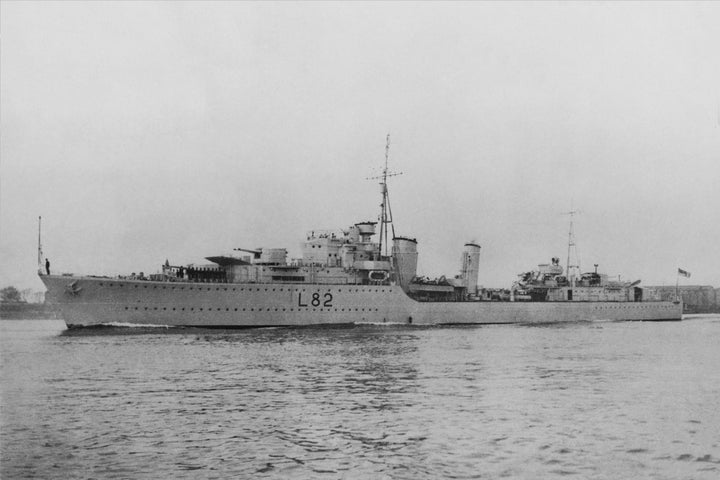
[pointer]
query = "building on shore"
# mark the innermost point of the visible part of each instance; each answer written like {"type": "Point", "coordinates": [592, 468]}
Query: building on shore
{"type": "Point", "coordinates": [696, 298]}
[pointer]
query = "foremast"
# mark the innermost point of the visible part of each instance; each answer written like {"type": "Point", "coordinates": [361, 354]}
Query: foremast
{"type": "Point", "coordinates": [385, 210]}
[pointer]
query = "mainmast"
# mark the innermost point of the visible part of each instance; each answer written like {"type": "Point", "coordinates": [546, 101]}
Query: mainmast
{"type": "Point", "coordinates": [385, 210]}
{"type": "Point", "coordinates": [572, 249]}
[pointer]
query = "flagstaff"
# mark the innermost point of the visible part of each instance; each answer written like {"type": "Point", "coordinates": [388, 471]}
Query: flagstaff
{"type": "Point", "coordinates": [40, 254]}
{"type": "Point", "coordinates": [680, 272]}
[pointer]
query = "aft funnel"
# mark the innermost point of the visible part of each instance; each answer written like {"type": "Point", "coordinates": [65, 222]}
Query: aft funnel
{"type": "Point", "coordinates": [470, 267]}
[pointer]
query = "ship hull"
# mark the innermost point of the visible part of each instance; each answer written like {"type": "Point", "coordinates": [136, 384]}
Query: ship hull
{"type": "Point", "coordinates": [87, 301]}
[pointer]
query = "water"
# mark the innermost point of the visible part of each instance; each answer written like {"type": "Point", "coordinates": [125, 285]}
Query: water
{"type": "Point", "coordinates": [602, 400]}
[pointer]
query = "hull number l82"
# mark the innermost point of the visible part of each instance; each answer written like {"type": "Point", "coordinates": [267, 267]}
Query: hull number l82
{"type": "Point", "coordinates": [316, 300]}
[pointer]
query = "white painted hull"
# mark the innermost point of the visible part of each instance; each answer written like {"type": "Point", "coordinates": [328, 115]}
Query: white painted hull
{"type": "Point", "coordinates": [86, 301]}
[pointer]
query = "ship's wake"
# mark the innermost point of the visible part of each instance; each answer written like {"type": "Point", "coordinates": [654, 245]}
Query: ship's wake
{"type": "Point", "coordinates": [383, 324]}
{"type": "Point", "coordinates": [119, 328]}
{"type": "Point", "coordinates": [134, 325]}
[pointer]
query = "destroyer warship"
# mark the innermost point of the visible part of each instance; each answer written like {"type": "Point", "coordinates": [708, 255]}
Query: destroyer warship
{"type": "Point", "coordinates": [345, 277]}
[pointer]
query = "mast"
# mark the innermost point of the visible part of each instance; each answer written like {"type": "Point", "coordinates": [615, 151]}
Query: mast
{"type": "Point", "coordinates": [572, 248]}
{"type": "Point", "coordinates": [385, 210]}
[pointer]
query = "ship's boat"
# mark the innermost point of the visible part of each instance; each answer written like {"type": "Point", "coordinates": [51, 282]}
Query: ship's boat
{"type": "Point", "coordinates": [360, 274]}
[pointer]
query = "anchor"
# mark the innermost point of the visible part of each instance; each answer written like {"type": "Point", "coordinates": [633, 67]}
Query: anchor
{"type": "Point", "coordinates": [73, 289]}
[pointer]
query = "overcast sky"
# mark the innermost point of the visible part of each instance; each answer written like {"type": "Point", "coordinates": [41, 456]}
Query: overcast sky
{"type": "Point", "coordinates": [145, 131]}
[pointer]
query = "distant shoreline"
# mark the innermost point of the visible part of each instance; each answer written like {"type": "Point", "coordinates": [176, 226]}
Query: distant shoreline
{"type": "Point", "coordinates": [26, 311]}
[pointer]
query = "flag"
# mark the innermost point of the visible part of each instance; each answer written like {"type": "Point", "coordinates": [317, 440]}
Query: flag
{"type": "Point", "coordinates": [683, 273]}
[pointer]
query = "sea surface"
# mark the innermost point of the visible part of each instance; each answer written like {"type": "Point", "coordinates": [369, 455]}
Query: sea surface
{"type": "Point", "coordinates": [580, 400]}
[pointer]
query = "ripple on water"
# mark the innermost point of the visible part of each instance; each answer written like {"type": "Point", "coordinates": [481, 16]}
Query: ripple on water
{"type": "Point", "coordinates": [371, 402]}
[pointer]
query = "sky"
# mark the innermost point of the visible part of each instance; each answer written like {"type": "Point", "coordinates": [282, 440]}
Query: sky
{"type": "Point", "coordinates": [145, 131]}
